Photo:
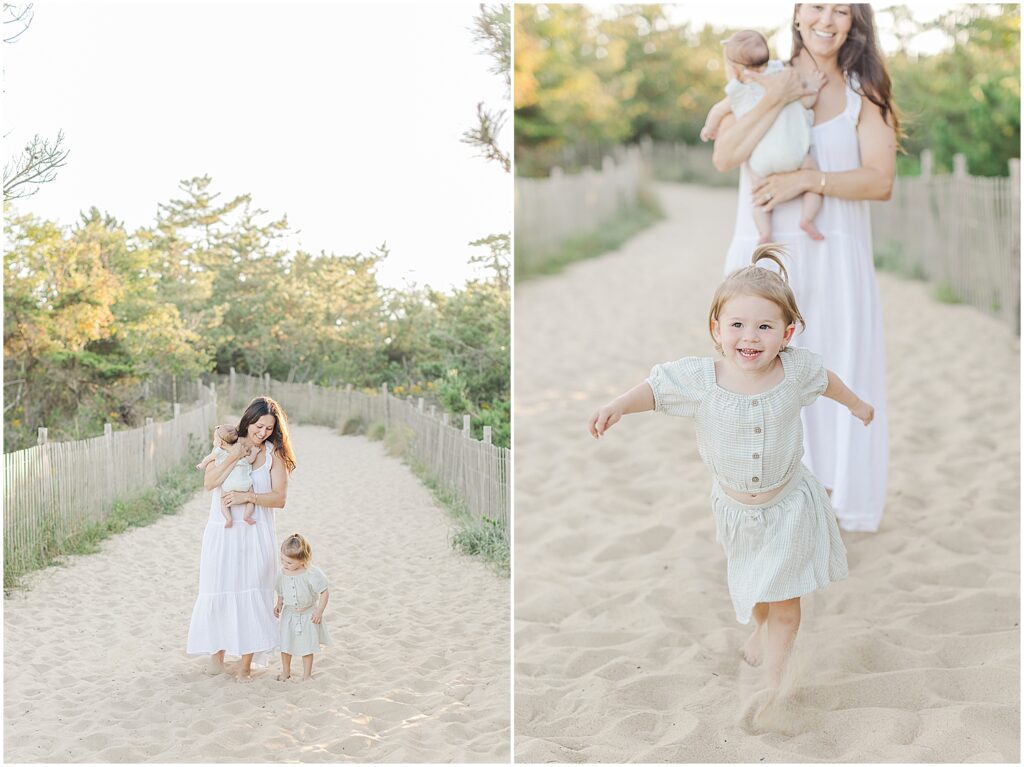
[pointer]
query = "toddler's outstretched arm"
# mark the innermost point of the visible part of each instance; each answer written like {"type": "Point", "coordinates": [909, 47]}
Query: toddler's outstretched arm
{"type": "Point", "coordinates": [842, 394]}
{"type": "Point", "coordinates": [637, 400]}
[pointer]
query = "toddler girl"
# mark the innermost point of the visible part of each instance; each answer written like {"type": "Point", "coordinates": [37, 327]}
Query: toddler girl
{"type": "Point", "coordinates": [301, 599]}
{"type": "Point", "coordinates": [786, 146]}
{"type": "Point", "coordinates": [240, 478]}
{"type": "Point", "coordinates": [772, 516]}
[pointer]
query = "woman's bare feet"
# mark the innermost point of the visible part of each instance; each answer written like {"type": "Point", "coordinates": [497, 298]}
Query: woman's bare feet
{"type": "Point", "coordinates": [753, 653]}
{"type": "Point", "coordinates": [214, 666]}
{"type": "Point", "coordinates": [812, 231]}
{"type": "Point", "coordinates": [243, 677]}
{"type": "Point", "coordinates": [283, 677]}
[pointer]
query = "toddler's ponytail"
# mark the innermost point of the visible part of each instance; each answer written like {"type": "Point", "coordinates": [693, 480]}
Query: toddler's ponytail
{"type": "Point", "coordinates": [773, 251]}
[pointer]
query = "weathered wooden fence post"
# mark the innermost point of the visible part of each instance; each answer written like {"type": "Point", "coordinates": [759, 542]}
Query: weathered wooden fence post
{"type": "Point", "coordinates": [231, 388]}
{"type": "Point", "coordinates": [108, 440]}
{"type": "Point", "coordinates": [149, 450]}
{"type": "Point", "coordinates": [465, 426]}
{"type": "Point", "coordinates": [387, 406]}
{"type": "Point", "coordinates": [1014, 306]}
{"type": "Point", "coordinates": [487, 435]}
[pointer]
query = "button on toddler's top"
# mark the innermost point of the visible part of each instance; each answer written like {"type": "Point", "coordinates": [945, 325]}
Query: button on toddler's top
{"type": "Point", "coordinates": [751, 442]}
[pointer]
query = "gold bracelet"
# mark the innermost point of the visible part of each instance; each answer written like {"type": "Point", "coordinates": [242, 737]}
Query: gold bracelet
{"type": "Point", "coordinates": [821, 186]}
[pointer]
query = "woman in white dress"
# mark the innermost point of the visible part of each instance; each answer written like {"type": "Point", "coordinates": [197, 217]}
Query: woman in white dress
{"type": "Point", "coordinates": [234, 612]}
{"type": "Point", "coordinates": [855, 137]}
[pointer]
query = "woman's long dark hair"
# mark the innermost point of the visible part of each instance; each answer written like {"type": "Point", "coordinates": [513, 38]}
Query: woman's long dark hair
{"type": "Point", "coordinates": [861, 56]}
{"type": "Point", "coordinates": [260, 407]}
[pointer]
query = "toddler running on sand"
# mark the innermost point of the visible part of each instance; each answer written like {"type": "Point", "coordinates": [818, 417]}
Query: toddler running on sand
{"type": "Point", "coordinates": [773, 517]}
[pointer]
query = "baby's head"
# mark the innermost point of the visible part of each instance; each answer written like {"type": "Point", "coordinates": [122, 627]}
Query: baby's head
{"type": "Point", "coordinates": [226, 434]}
{"type": "Point", "coordinates": [762, 296]}
{"type": "Point", "coordinates": [295, 552]}
{"type": "Point", "coordinates": [747, 49]}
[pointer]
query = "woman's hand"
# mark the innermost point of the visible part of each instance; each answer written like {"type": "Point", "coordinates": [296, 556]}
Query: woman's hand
{"type": "Point", "coordinates": [238, 497]}
{"type": "Point", "coordinates": [780, 87]}
{"type": "Point", "coordinates": [603, 419]}
{"type": "Point", "coordinates": [781, 187]}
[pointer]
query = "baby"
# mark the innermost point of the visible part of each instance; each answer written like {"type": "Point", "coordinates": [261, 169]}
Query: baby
{"type": "Point", "coordinates": [240, 478]}
{"type": "Point", "coordinates": [786, 145]}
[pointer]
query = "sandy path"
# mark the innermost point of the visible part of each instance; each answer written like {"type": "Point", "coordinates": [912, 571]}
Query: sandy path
{"type": "Point", "coordinates": [626, 646]}
{"type": "Point", "coordinates": [94, 661]}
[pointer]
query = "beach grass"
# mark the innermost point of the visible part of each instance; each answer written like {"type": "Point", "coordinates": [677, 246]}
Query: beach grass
{"type": "Point", "coordinates": [477, 536]}
{"type": "Point", "coordinates": [168, 496]}
{"type": "Point", "coordinates": [610, 235]}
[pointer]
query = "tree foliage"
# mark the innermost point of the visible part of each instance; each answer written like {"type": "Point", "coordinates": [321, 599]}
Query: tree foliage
{"type": "Point", "coordinates": [965, 99]}
{"type": "Point", "coordinates": [605, 76]}
{"type": "Point", "coordinates": [92, 311]}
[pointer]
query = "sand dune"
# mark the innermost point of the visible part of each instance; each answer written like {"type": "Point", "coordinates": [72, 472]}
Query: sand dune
{"type": "Point", "coordinates": [626, 644]}
{"type": "Point", "coordinates": [95, 668]}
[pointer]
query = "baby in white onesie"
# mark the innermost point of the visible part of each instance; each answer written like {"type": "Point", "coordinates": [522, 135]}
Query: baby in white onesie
{"type": "Point", "coordinates": [786, 146]}
{"type": "Point", "coordinates": [240, 478]}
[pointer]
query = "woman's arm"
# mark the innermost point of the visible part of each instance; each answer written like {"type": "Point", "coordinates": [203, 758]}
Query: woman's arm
{"type": "Point", "coordinates": [737, 138]}
{"type": "Point", "coordinates": [274, 499]}
{"type": "Point", "coordinates": [871, 181]}
{"type": "Point", "coordinates": [215, 475]}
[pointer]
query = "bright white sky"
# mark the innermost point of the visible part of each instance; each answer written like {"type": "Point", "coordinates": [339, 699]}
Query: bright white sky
{"type": "Point", "coordinates": [346, 117]}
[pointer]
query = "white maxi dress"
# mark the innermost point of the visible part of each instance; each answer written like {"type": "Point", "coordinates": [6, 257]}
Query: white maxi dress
{"type": "Point", "coordinates": [834, 283]}
{"type": "Point", "coordinates": [234, 611]}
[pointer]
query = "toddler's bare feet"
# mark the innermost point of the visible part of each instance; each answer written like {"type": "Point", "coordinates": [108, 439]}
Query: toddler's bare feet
{"type": "Point", "coordinates": [283, 677]}
{"type": "Point", "coordinates": [812, 231]}
{"type": "Point", "coordinates": [249, 521]}
{"type": "Point", "coordinates": [243, 677]}
{"type": "Point", "coordinates": [307, 678]}
{"type": "Point", "coordinates": [752, 652]}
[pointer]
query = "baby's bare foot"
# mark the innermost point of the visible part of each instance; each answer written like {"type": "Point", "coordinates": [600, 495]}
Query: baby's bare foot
{"type": "Point", "coordinates": [249, 521]}
{"type": "Point", "coordinates": [812, 231]}
{"type": "Point", "coordinates": [752, 652]}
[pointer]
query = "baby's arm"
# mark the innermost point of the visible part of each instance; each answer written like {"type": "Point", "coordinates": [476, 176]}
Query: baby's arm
{"type": "Point", "coordinates": [842, 394]}
{"type": "Point", "coordinates": [318, 613]}
{"type": "Point", "coordinates": [210, 458]}
{"type": "Point", "coordinates": [813, 82]}
{"type": "Point", "coordinates": [714, 119]}
{"type": "Point", "coordinates": [637, 400]}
